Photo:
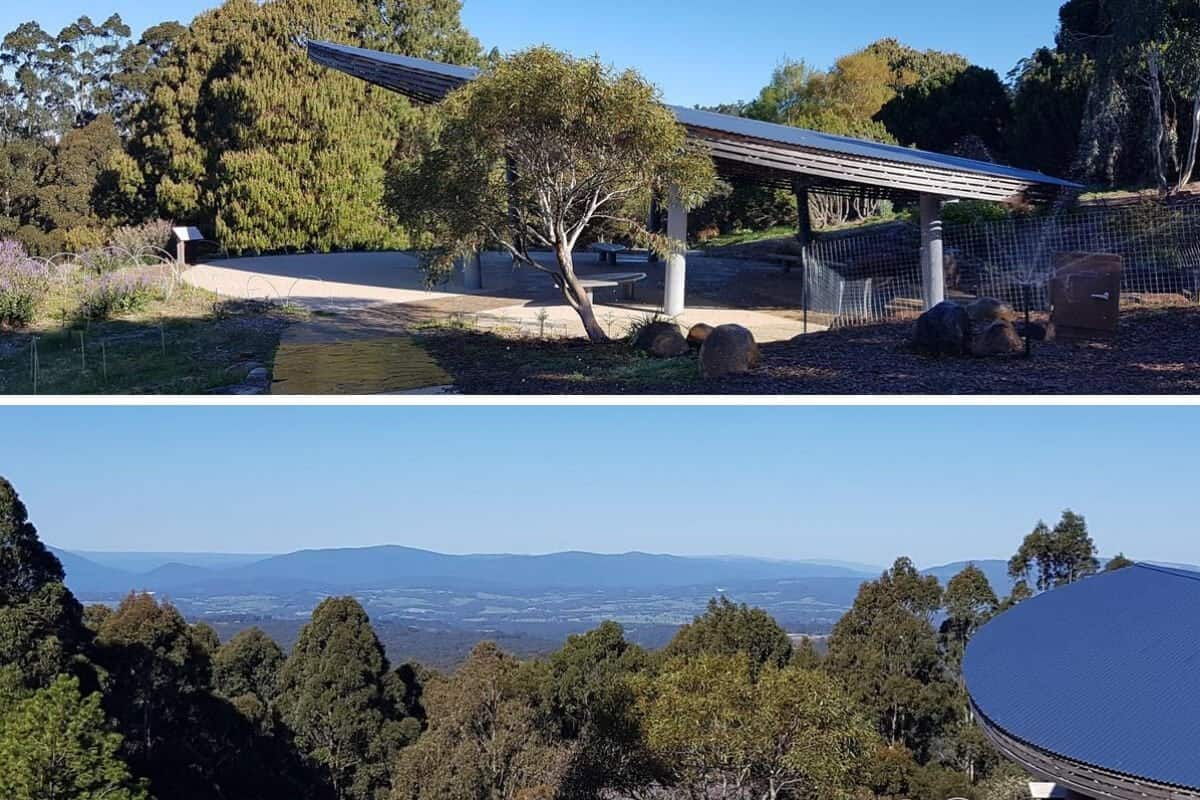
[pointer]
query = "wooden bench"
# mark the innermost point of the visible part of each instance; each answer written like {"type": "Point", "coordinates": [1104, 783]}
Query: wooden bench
{"type": "Point", "coordinates": [626, 280]}
{"type": "Point", "coordinates": [607, 253]}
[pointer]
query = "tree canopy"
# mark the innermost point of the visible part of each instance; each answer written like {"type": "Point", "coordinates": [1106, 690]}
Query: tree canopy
{"type": "Point", "coordinates": [539, 151]}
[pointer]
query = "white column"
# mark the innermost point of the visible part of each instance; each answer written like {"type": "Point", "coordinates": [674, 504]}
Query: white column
{"type": "Point", "coordinates": [933, 270]}
{"type": "Point", "coordinates": [676, 278]}
{"type": "Point", "coordinates": [472, 267]}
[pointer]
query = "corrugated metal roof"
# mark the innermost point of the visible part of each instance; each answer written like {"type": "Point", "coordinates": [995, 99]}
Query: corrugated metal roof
{"type": "Point", "coordinates": [420, 64]}
{"type": "Point", "coordinates": [839, 160]}
{"type": "Point", "coordinates": [815, 140]}
{"type": "Point", "coordinates": [1105, 672]}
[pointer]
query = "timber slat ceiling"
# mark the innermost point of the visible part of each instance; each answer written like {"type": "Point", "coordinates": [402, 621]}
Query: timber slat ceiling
{"type": "Point", "coordinates": [774, 155]}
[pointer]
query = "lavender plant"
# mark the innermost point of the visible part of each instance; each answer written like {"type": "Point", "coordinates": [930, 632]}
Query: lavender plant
{"type": "Point", "coordinates": [24, 284]}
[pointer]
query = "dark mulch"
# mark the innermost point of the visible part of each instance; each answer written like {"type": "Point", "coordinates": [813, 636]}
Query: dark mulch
{"type": "Point", "coordinates": [1157, 352]}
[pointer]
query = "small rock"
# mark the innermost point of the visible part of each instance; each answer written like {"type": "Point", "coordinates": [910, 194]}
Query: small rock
{"type": "Point", "coordinates": [258, 377]}
{"type": "Point", "coordinates": [1035, 331]}
{"type": "Point", "coordinates": [698, 334]}
{"type": "Point", "coordinates": [243, 368]}
{"type": "Point", "coordinates": [661, 340]}
{"type": "Point", "coordinates": [987, 310]}
{"type": "Point", "coordinates": [728, 350]}
{"type": "Point", "coordinates": [944, 329]}
{"type": "Point", "coordinates": [998, 339]}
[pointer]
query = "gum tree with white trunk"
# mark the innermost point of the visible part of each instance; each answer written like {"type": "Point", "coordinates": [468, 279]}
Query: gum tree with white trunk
{"type": "Point", "coordinates": [539, 151]}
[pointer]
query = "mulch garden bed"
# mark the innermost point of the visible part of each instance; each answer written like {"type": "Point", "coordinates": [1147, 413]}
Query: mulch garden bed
{"type": "Point", "coordinates": [1156, 352]}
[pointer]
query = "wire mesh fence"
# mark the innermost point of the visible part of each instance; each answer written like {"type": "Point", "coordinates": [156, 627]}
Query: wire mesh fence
{"type": "Point", "coordinates": [876, 276]}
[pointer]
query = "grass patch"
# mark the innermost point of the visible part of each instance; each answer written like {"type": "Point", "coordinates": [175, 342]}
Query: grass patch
{"type": "Point", "coordinates": [749, 237]}
{"type": "Point", "coordinates": [187, 345]}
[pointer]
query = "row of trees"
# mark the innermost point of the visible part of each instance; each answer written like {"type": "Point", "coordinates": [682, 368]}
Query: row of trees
{"type": "Point", "coordinates": [135, 702]}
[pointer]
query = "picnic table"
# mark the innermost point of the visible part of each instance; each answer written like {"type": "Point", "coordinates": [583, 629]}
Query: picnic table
{"type": "Point", "coordinates": [626, 280]}
{"type": "Point", "coordinates": [607, 253]}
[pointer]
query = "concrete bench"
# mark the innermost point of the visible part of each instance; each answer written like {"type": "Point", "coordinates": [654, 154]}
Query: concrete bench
{"type": "Point", "coordinates": [607, 253]}
{"type": "Point", "coordinates": [625, 280]}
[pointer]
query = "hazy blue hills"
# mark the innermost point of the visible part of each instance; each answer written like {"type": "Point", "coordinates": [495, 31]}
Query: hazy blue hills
{"type": "Point", "coordinates": [395, 566]}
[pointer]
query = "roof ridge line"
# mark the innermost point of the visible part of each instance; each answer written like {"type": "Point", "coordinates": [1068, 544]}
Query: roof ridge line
{"type": "Point", "coordinates": [1178, 573]}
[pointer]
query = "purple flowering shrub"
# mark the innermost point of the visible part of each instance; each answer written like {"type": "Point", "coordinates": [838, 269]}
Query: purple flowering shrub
{"type": "Point", "coordinates": [24, 284]}
{"type": "Point", "coordinates": [120, 292]}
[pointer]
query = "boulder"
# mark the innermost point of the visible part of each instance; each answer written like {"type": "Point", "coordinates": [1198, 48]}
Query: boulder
{"type": "Point", "coordinates": [728, 350]}
{"type": "Point", "coordinates": [698, 334]}
{"type": "Point", "coordinates": [987, 310]}
{"type": "Point", "coordinates": [998, 339]}
{"type": "Point", "coordinates": [661, 340]}
{"type": "Point", "coordinates": [944, 329]}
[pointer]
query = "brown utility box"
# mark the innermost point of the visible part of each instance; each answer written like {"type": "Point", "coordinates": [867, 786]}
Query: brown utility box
{"type": "Point", "coordinates": [1085, 295]}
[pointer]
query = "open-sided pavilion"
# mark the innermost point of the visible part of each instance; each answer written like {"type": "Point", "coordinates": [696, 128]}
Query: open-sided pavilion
{"type": "Point", "coordinates": [777, 155]}
{"type": "Point", "coordinates": [1093, 687]}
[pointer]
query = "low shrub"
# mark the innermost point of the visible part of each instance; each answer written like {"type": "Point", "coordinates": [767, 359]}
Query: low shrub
{"type": "Point", "coordinates": [83, 239]}
{"type": "Point", "coordinates": [113, 293]}
{"type": "Point", "coordinates": [24, 284]}
{"type": "Point", "coordinates": [149, 238]}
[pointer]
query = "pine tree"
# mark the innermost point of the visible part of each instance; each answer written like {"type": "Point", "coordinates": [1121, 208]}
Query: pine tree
{"type": "Point", "coordinates": [264, 149]}
{"type": "Point", "coordinates": [55, 745]}
{"type": "Point", "coordinates": [332, 698]}
{"type": "Point", "coordinates": [41, 622]}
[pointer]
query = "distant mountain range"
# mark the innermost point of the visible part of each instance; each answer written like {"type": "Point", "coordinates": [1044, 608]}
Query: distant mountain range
{"type": "Point", "coordinates": [395, 566]}
{"type": "Point", "coordinates": [542, 595]}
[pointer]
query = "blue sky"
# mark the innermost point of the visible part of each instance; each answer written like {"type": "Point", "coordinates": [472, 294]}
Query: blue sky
{"type": "Point", "coordinates": [697, 51]}
{"type": "Point", "coordinates": [859, 484]}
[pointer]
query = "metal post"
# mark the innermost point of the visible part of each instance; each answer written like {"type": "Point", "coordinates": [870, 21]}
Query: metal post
{"type": "Point", "coordinates": [653, 224]}
{"type": "Point", "coordinates": [933, 271]}
{"type": "Point", "coordinates": [675, 285]}
{"type": "Point", "coordinates": [804, 286]}
{"type": "Point", "coordinates": [804, 233]}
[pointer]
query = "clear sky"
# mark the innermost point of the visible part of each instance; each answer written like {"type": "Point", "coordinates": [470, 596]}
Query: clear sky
{"type": "Point", "coordinates": [697, 51]}
{"type": "Point", "coordinates": [859, 484]}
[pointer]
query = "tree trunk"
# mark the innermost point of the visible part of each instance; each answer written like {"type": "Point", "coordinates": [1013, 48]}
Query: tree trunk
{"type": "Point", "coordinates": [1156, 111]}
{"type": "Point", "coordinates": [1185, 177]}
{"type": "Point", "coordinates": [576, 296]}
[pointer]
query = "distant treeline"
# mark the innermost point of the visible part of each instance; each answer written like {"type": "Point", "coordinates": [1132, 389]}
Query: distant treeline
{"type": "Point", "coordinates": [136, 702]}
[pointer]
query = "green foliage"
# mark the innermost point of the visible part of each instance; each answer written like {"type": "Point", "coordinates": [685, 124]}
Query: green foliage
{"type": "Point", "coordinates": [332, 698]}
{"type": "Point", "coordinates": [789, 732]}
{"type": "Point", "coordinates": [885, 650]}
{"type": "Point", "coordinates": [538, 151]}
{"type": "Point", "coordinates": [55, 745]}
{"type": "Point", "coordinates": [41, 630]}
{"type": "Point", "coordinates": [944, 112]}
{"type": "Point", "coordinates": [117, 292]}
{"type": "Point", "coordinates": [248, 664]}
{"type": "Point", "coordinates": [970, 601]}
{"type": "Point", "coordinates": [727, 628]}
{"type": "Point", "coordinates": [248, 138]}
{"type": "Point", "coordinates": [1049, 100]}
{"type": "Point", "coordinates": [484, 740]}
{"type": "Point", "coordinates": [1059, 557]}
{"type": "Point", "coordinates": [1119, 561]}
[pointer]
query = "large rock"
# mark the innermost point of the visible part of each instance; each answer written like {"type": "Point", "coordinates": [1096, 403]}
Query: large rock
{"type": "Point", "coordinates": [998, 339]}
{"type": "Point", "coordinates": [987, 310]}
{"type": "Point", "coordinates": [698, 334]}
{"type": "Point", "coordinates": [661, 340]}
{"type": "Point", "coordinates": [943, 330]}
{"type": "Point", "coordinates": [728, 350]}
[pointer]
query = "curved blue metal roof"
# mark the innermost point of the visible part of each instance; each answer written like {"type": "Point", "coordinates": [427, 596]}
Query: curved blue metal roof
{"type": "Point", "coordinates": [1105, 672]}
